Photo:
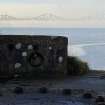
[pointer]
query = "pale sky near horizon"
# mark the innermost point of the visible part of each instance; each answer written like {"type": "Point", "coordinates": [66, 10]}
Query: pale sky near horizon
{"type": "Point", "coordinates": [93, 11]}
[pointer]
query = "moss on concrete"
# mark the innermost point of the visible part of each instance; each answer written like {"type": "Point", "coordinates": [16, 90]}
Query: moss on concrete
{"type": "Point", "coordinates": [76, 66]}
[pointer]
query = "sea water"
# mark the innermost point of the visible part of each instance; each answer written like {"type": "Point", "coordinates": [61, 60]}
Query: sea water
{"type": "Point", "coordinates": [94, 54]}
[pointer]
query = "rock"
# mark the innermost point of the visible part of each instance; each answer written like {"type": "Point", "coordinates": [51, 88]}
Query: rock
{"type": "Point", "coordinates": [43, 90]}
{"type": "Point", "coordinates": [100, 99]}
{"type": "Point", "coordinates": [18, 90]}
{"type": "Point", "coordinates": [1, 94]}
{"type": "Point", "coordinates": [87, 95]}
{"type": "Point", "coordinates": [66, 91]}
{"type": "Point", "coordinates": [102, 77]}
{"type": "Point", "coordinates": [101, 103]}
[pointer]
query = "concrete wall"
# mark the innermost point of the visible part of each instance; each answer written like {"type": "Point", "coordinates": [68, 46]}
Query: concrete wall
{"type": "Point", "coordinates": [30, 55]}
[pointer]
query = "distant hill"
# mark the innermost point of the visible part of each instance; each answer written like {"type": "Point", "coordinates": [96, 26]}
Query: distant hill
{"type": "Point", "coordinates": [48, 16]}
{"type": "Point", "coordinates": [43, 17]}
{"type": "Point", "coordinates": [7, 17]}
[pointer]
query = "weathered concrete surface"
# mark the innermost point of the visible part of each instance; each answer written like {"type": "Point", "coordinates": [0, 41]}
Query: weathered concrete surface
{"type": "Point", "coordinates": [32, 55]}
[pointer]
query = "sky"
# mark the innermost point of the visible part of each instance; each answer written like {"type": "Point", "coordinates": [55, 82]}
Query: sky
{"type": "Point", "coordinates": [81, 13]}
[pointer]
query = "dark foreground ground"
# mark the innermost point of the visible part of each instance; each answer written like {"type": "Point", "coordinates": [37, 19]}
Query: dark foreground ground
{"type": "Point", "coordinates": [93, 82]}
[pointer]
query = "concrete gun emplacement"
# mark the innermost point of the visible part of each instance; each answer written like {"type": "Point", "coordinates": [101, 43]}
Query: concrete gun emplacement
{"type": "Point", "coordinates": [27, 56]}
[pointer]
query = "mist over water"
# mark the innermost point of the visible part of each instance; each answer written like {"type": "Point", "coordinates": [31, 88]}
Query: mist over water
{"type": "Point", "coordinates": [88, 44]}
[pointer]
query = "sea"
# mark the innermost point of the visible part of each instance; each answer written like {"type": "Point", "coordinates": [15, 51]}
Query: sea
{"type": "Point", "coordinates": [88, 44]}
